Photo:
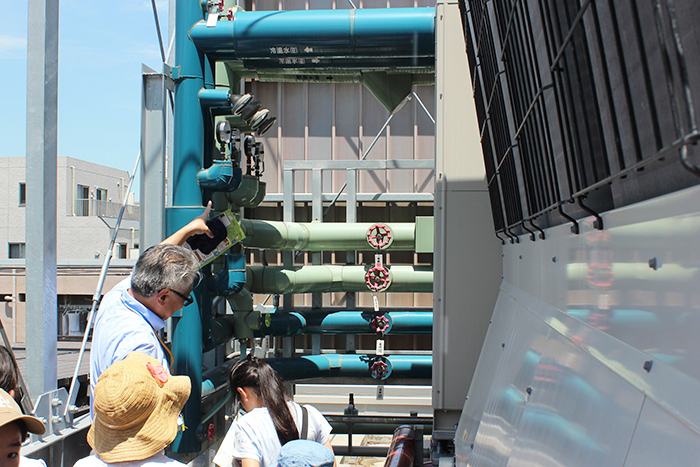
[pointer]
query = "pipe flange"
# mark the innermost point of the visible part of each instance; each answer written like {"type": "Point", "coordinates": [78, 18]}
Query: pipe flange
{"type": "Point", "coordinates": [380, 368]}
{"type": "Point", "coordinates": [378, 278]}
{"type": "Point", "coordinates": [379, 237]}
{"type": "Point", "coordinates": [380, 324]}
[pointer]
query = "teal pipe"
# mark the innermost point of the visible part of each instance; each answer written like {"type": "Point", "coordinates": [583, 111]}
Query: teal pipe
{"type": "Point", "coordinates": [323, 236]}
{"type": "Point", "coordinates": [334, 365]}
{"type": "Point", "coordinates": [344, 322]}
{"type": "Point", "coordinates": [333, 278]}
{"type": "Point", "coordinates": [327, 365]}
{"type": "Point", "coordinates": [363, 39]}
{"type": "Point", "coordinates": [191, 73]}
{"type": "Point", "coordinates": [215, 99]}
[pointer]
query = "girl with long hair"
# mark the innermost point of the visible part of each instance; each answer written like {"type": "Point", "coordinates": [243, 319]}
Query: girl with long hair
{"type": "Point", "coordinates": [271, 418]}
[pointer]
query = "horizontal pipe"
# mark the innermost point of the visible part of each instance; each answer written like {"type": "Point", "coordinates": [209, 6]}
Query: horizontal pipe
{"type": "Point", "coordinates": [361, 451]}
{"type": "Point", "coordinates": [324, 236]}
{"type": "Point", "coordinates": [326, 365]}
{"type": "Point", "coordinates": [370, 428]}
{"type": "Point", "coordinates": [332, 365]}
{"type": "Point", "coordinates": [334, 278]}
{"type": "Point", "coordinates": [345, 322]}
{"type": "Point", "coordinates": [365, 38]}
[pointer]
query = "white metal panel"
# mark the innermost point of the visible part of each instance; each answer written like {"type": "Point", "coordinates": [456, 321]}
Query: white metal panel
{"type": "Point", "coordinates": [661, 437]}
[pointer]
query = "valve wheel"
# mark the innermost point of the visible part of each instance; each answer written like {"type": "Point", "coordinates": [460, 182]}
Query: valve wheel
{"type": "Point", "coordinates": [378, 278]}
{"type": "Point", "coordinates": [380, 369]}
{"type": "Point", "coordinates": [380, 324]}
{"type": "Point", "coordinates": [379, 236]}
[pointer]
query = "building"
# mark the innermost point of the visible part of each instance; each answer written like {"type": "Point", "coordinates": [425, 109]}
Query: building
{"type": "Point", "coordinates": [88, 201]}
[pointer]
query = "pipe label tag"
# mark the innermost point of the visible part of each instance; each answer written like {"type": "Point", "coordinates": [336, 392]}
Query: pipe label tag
{"type": "Point", "coordinates": [376, 302]}
{"type": "Point", "coordinates": [380, 392]}
{"type": "Point", "coordinates": [212, 19]}
{"type": "Point", "coordinates": [378, 260]}
{"type": "Point", "coordinates": [380, 346]}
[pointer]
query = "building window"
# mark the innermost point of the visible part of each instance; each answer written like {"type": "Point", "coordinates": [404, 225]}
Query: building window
{"type": "Point", "coordinates": [121, 251]}
{"type": "Point", "coordinates": [82, 200]}
{"type": "Point", "coordinates": [16, 250]}
{"type": "Point", "coordinates": [22, 194]}
{"type": "Point", "coordinates": [101, 194]}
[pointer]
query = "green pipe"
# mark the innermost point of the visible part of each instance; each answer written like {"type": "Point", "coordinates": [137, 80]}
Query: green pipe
{"type": "Point", "coordinates": [320, 236]}
{"type": "Point", "coordinates": [334, 278]}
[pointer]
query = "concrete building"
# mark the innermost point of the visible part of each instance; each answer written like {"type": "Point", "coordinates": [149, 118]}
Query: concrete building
{"type": "Point", "coordinates": [88, 201]}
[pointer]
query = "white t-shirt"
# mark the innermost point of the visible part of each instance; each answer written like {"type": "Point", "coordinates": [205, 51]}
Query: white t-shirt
{"type": "Point", "coordinates": [157, 460]}
{"type": "Point", "coordinates": [29, 462]}
{"type": "Point", "coordinates": [253, 436]}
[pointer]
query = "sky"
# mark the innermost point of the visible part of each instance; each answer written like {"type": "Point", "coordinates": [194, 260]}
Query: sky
{"type": "Point", "coordinates": [101, 49]}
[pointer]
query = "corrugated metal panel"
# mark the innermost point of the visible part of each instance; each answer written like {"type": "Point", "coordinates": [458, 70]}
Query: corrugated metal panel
{"type": "Point", "coordinates": [340, 121]}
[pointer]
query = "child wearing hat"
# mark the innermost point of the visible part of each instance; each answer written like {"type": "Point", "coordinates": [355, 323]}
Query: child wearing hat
{"type": "Point", "coordinates": [14, 429]}
{"type": "Point", "coordinates": [136, 409]}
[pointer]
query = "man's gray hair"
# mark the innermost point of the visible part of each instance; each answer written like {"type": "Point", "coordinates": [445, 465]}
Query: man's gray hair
{"type": "Point", "coordinates": [164, 266]}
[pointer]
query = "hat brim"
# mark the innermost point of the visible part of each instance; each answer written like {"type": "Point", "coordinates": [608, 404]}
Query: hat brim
{"type": "Point", "coordinates": [33, 424]}
{"type": "Point", "coordinates": [144, 440]}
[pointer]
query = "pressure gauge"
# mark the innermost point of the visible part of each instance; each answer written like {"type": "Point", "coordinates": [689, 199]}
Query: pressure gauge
{"type": "Point", "coordinates": [223, 132]}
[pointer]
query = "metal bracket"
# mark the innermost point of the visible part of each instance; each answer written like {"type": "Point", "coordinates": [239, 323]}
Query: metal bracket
{"type": "Point", "coordinates": [542, 235]}
{"type": "Point", "coordinates": [49, 409]}
{"type": "Point", "coordinates": [532, 234]}
{"type": "Point", "coordinates": [514, 236]}
{"type": "Point", "coordinates": [574, 227]}
{"type": "Point", "coordinates": [503, 241]}
{"type": "Point", "coordinates": [598, 222]}
{"type": "Point", "coordinates": [692, 138]}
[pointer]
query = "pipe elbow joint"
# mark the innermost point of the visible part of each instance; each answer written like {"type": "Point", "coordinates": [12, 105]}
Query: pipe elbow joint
{"type": "Point", "coordinates": [221, 176]}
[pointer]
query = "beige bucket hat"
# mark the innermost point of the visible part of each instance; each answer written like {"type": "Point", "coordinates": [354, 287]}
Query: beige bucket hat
{"type": "Point", "coordinates": [10, 412]}
{"type": "Point", "coordinates": [136, 408]}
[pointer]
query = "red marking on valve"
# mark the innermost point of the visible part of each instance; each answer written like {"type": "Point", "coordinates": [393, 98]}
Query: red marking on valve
{"type": "Point", "coordinates": [221, 5]}
{"type": "Point", "coordinates": [380, 324]}
{"type": "Point", "coordinates": [210, 431]}
{"type": "Point", "coordinates": [379, 369]}
{"type": "Point", "coordinates": [377, 278]}
{"type": "Point", "coordinates": [229, 15]}
{"type": "Point", "coordinates": [379, 236]}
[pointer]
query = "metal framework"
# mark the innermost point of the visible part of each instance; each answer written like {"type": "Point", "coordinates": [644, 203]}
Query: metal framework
{"type": "Point", "coordinates": [574, 100]}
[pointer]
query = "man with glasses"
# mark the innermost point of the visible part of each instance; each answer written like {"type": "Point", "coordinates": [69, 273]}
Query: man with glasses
{"type": "Point", "coordinates": [131, 315]}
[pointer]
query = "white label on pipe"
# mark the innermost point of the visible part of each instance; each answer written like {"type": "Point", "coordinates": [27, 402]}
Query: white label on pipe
{"type": "Point", "coordinates": [376, 302]}
{"type": "Point", "coordinates": [378, 260]}
{"type": "Point", "coordinates": [212, 19]}
{"type": "Point", "coordinates": [380, 392]}
{"type": "Point", "coordinates": [380, 346]}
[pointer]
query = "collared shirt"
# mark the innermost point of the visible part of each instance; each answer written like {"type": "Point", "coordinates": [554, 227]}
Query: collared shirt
{"type": "Point", "coordinates": [123, 325]}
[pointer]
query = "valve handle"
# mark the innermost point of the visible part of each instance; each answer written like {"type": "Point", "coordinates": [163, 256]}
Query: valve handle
{"type": "Point", "coordinates": [380, 324]}
{"type": "Point", "coordinates": [379, 236]}
{"type": "Point", "coordinates": [379, 369]}
{"type": "Point", "coordinates": [377, 278]}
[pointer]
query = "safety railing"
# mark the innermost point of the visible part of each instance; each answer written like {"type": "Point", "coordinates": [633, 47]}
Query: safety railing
{"type": "Point", "coordinates": [102, 208]}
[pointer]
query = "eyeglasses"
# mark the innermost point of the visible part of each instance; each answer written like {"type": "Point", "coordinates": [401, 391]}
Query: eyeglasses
{"type": "Point", "coordinates": [187, 299]}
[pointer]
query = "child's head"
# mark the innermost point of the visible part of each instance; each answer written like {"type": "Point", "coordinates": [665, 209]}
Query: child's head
{"type": "Point", "coordinates": [137, 405]}
{"type": "Point", "coordinates": [14, 427]}
{"type": "Point", "coordinates": [253, 373]}
{"type": "Point", "coordinates": [9, 373]}
{"type": "Point", "coordinates": [257, 376]}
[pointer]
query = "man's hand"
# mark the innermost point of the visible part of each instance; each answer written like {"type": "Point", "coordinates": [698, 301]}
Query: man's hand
{"type": "Point", "coordinates": [198, 225]}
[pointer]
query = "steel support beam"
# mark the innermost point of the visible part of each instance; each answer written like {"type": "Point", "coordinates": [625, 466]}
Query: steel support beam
{"type": "Point", "coordinates": [42, 118]}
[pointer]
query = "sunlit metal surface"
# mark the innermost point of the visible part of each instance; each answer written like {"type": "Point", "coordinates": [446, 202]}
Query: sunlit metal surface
{"type": "Point", "coordinates": [592, 350]}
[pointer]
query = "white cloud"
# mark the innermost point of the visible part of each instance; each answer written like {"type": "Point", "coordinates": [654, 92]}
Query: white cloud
{"type": "Point", "coordinates": [12, 46]}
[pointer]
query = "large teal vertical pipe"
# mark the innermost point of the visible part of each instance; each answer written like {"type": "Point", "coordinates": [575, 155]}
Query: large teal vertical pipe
{"type": "Point", "coordinates": [188, 147]}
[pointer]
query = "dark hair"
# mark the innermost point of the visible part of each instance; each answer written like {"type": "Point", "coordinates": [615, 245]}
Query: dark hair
{"type": "Point", "coordinates": [23, 432]}
{"type": "Point", "coordinates": [253, 373]}
{"type": "Point", "coordinates": [9, 372]}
